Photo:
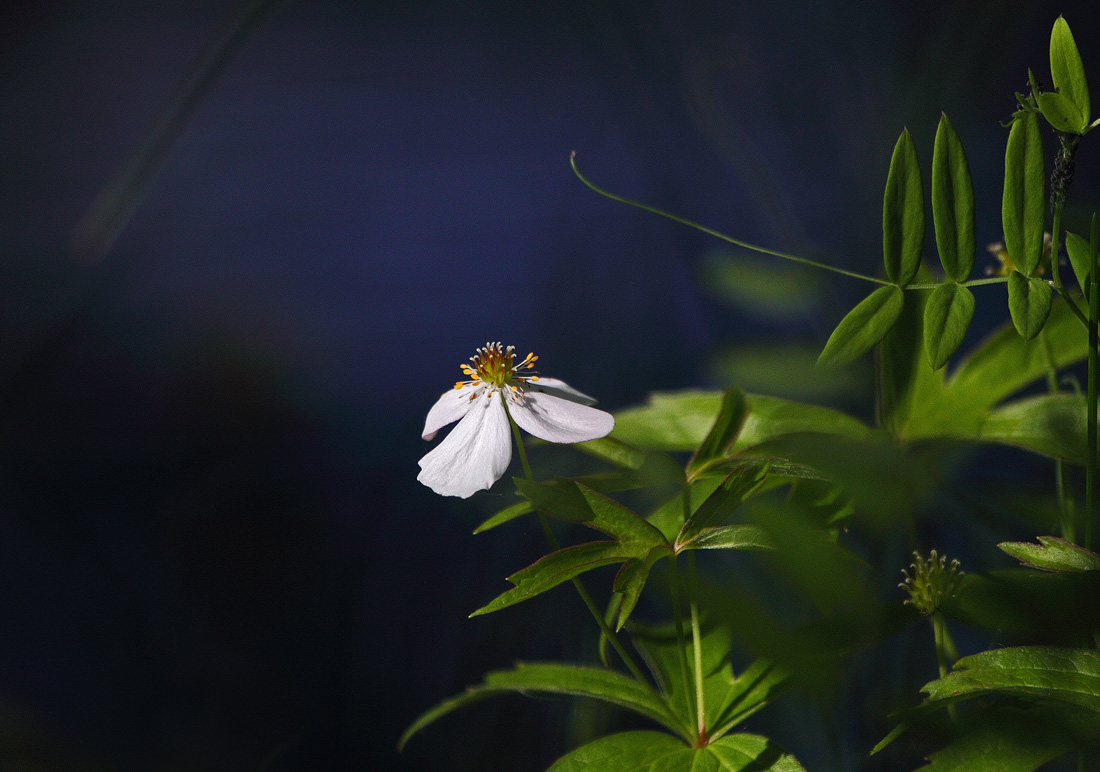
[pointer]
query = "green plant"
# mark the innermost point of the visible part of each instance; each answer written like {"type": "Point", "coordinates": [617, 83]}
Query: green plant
{"type": "Point", "coordinates": [800, 485]}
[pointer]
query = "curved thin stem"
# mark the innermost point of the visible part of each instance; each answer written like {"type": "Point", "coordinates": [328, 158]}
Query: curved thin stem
{"type": "Point", "coordinates": [716, 234]}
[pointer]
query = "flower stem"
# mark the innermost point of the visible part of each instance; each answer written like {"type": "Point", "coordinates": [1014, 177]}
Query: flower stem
{"type": "Point", "coordinates": [577, 583]}
{"type": "Point", "coordinates": [939, 631]}
{"type": "Point", "coordinates": [522, 450]}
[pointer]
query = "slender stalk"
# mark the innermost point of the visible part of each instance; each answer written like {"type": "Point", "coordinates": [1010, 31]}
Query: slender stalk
{"type": "Point", "coordinates": [939, 632]}
{"type": "Point", "coordinates": [716, 234]}
{"type": "Point", "coordinates": [697, 650]}
{"type": "Point", "coordinates": [681, 639]}
{"type": "Point", "coordinates": [1056, 227]}
{"type": "Point", "coordinates": [581, 589]}
{"type": "Point", "coordinates": [1065, 510]}
{"type": "Point", "coordinates": [1094, 315]}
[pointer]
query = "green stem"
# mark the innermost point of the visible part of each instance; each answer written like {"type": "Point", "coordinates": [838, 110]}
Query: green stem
{"type": "Point", "coordinates": [939, 632]}
{"type": "Point", "coordinates": [697, 650]}
{"type": "Point", "coordinates": [1056, 226]}
{"type": "Point", "coordinates": [681, 639]}
{"type": "Point", "coordinates": [581, 589]}
{"type": "Point", "coordinates": [716, 234]}
{"type": "Point", "coordinates": [1094, 316]}
{"type": "Point", "coordinates": [1065, 511]}
{"type": "Point", "coordinates": [794, 258]}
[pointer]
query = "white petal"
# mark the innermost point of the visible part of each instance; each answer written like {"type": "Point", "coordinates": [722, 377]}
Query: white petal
{"type": "Point", "coordinates": [448, 409]}
{"type": "Point", "coordinates": [474, 455]}
{"type": "Point", "coordinates": [560, 389]}
{"type": "Point", "coordinates": [559, 420]}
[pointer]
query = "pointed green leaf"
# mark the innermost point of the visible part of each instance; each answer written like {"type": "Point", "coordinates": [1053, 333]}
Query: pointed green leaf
{"type": "Point", "coordinates": [731, 416]}
{"type": "Point", "coordinates": [600, 684]}
{"type": "Point", "coordinates": [1053, 425]}
{"type": "Point", "coordinates": [506, 515]}
{"type": "Point", "coordinates": [1053, 554]}
{"type": "Point", "coordinates": [947, 316]}
{"type": "Point", "coordinates": [952, 203]}
{"type": "Point", "coordinates": [903, 213]}
{"type": "Point", "coordinates": [631, 580]}
{"type": "Point", "coordinates": [560, 566]}
{"type": "Point", "coordinates": [575, 503]}
{"type": "Point", "coordinates": [657, 752]}
{"type": "Point", "coordinates": [1067, 71]}
{"type": "Point", "coordinates": [1024, 203]}
{"type": "Point", "coordinates": [1029, 300]}
{"type": "Point", "coordinates": [863, 327]}
{"type": "Point", "coordinates": [738, 486]}
{"type": "Point", "coordinates": [1061, 113]}
{"type": "Point", "coordinates": [1066, 675]}
{"type": "Point", "coordinates": [729, 537]}
{"type": "Point", "coordinates": [1080, 257]}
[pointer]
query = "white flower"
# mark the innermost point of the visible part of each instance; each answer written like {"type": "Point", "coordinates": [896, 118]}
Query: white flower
{"type": "Point", "coordinates": [477, 451]}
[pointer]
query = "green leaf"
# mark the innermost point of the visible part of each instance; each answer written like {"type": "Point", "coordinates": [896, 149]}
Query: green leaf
{"type": "Point", "coordinates": [631, 580]}
{"type": "Point", "coordinates": [637, 542]}
{"type": "Point", "coordinates": [1080, 257]}
{"type": "Point", "coordinates": [505, 515]}
{"type": "Point", "coordinates": [1068, 72]}
{"type": "Point", "coordinates": [1052, 554]}
{"type": "Point", "coordinates": [1009, 739]}
{"type": "Point", "coordinates": [738, 486]}
{"type": "Point", "coordinates": [729, 537]}
{"type": "Point", "coordinates": [947, 315]}
{"type": "Point", "coordinates": [903, 214]}
{"type": "Point", "coordinates": [1061, 113]}
{"type": "Point", "coordinates": [657, 752]}
{"type": "Point", "coordinates": [1053, 608]}
{"type": "Point", "coordinates": [560, 566]}
{"type": "Point", "coordinates": [613, 451]}
{"type": "Point", "coordinates": [952, 203]}
{"type": "Point", "coordinates": [1065, 675]}
{"type": "Point", "coordinates": [1053, 425]}
{"type": "Point", "coordinates": [863, 327]}
{"type": "Point", "coordinates": [601, 684]}
{"type": "Point", "coordinates": [660, 648]}
{"type": "Point", "coordinates": [908, 386]}
{"type": "Point", "coordinates": [1029, 302]}
{"type": "Point", "coordinates": [1024, 203]}
{"type": "Point", "coordinates": [771, 417]}
{"type": "Point", "coordinates": [680, 420]}
{"type": "Point", "coordinates": [576, 503]}
{"type": "Point", "coordinates": [1003, 364]}
{"type": "Point", "coordinates": [731, 417]}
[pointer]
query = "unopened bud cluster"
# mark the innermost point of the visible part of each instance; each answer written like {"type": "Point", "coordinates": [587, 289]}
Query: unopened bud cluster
{"type": "Point", "coordinates": [932, 581]}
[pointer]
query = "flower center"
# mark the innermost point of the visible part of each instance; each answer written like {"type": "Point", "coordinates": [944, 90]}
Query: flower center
{"type": "Point", "coordinates": [495, 366]}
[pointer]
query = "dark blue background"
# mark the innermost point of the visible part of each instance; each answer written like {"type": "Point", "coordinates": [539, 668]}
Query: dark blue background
{"type": "Point", "coordinates": [213, 551]}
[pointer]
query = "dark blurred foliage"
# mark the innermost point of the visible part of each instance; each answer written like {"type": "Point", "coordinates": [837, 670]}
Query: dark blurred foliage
{"type": "Point", "coordinates": [214, 554]}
